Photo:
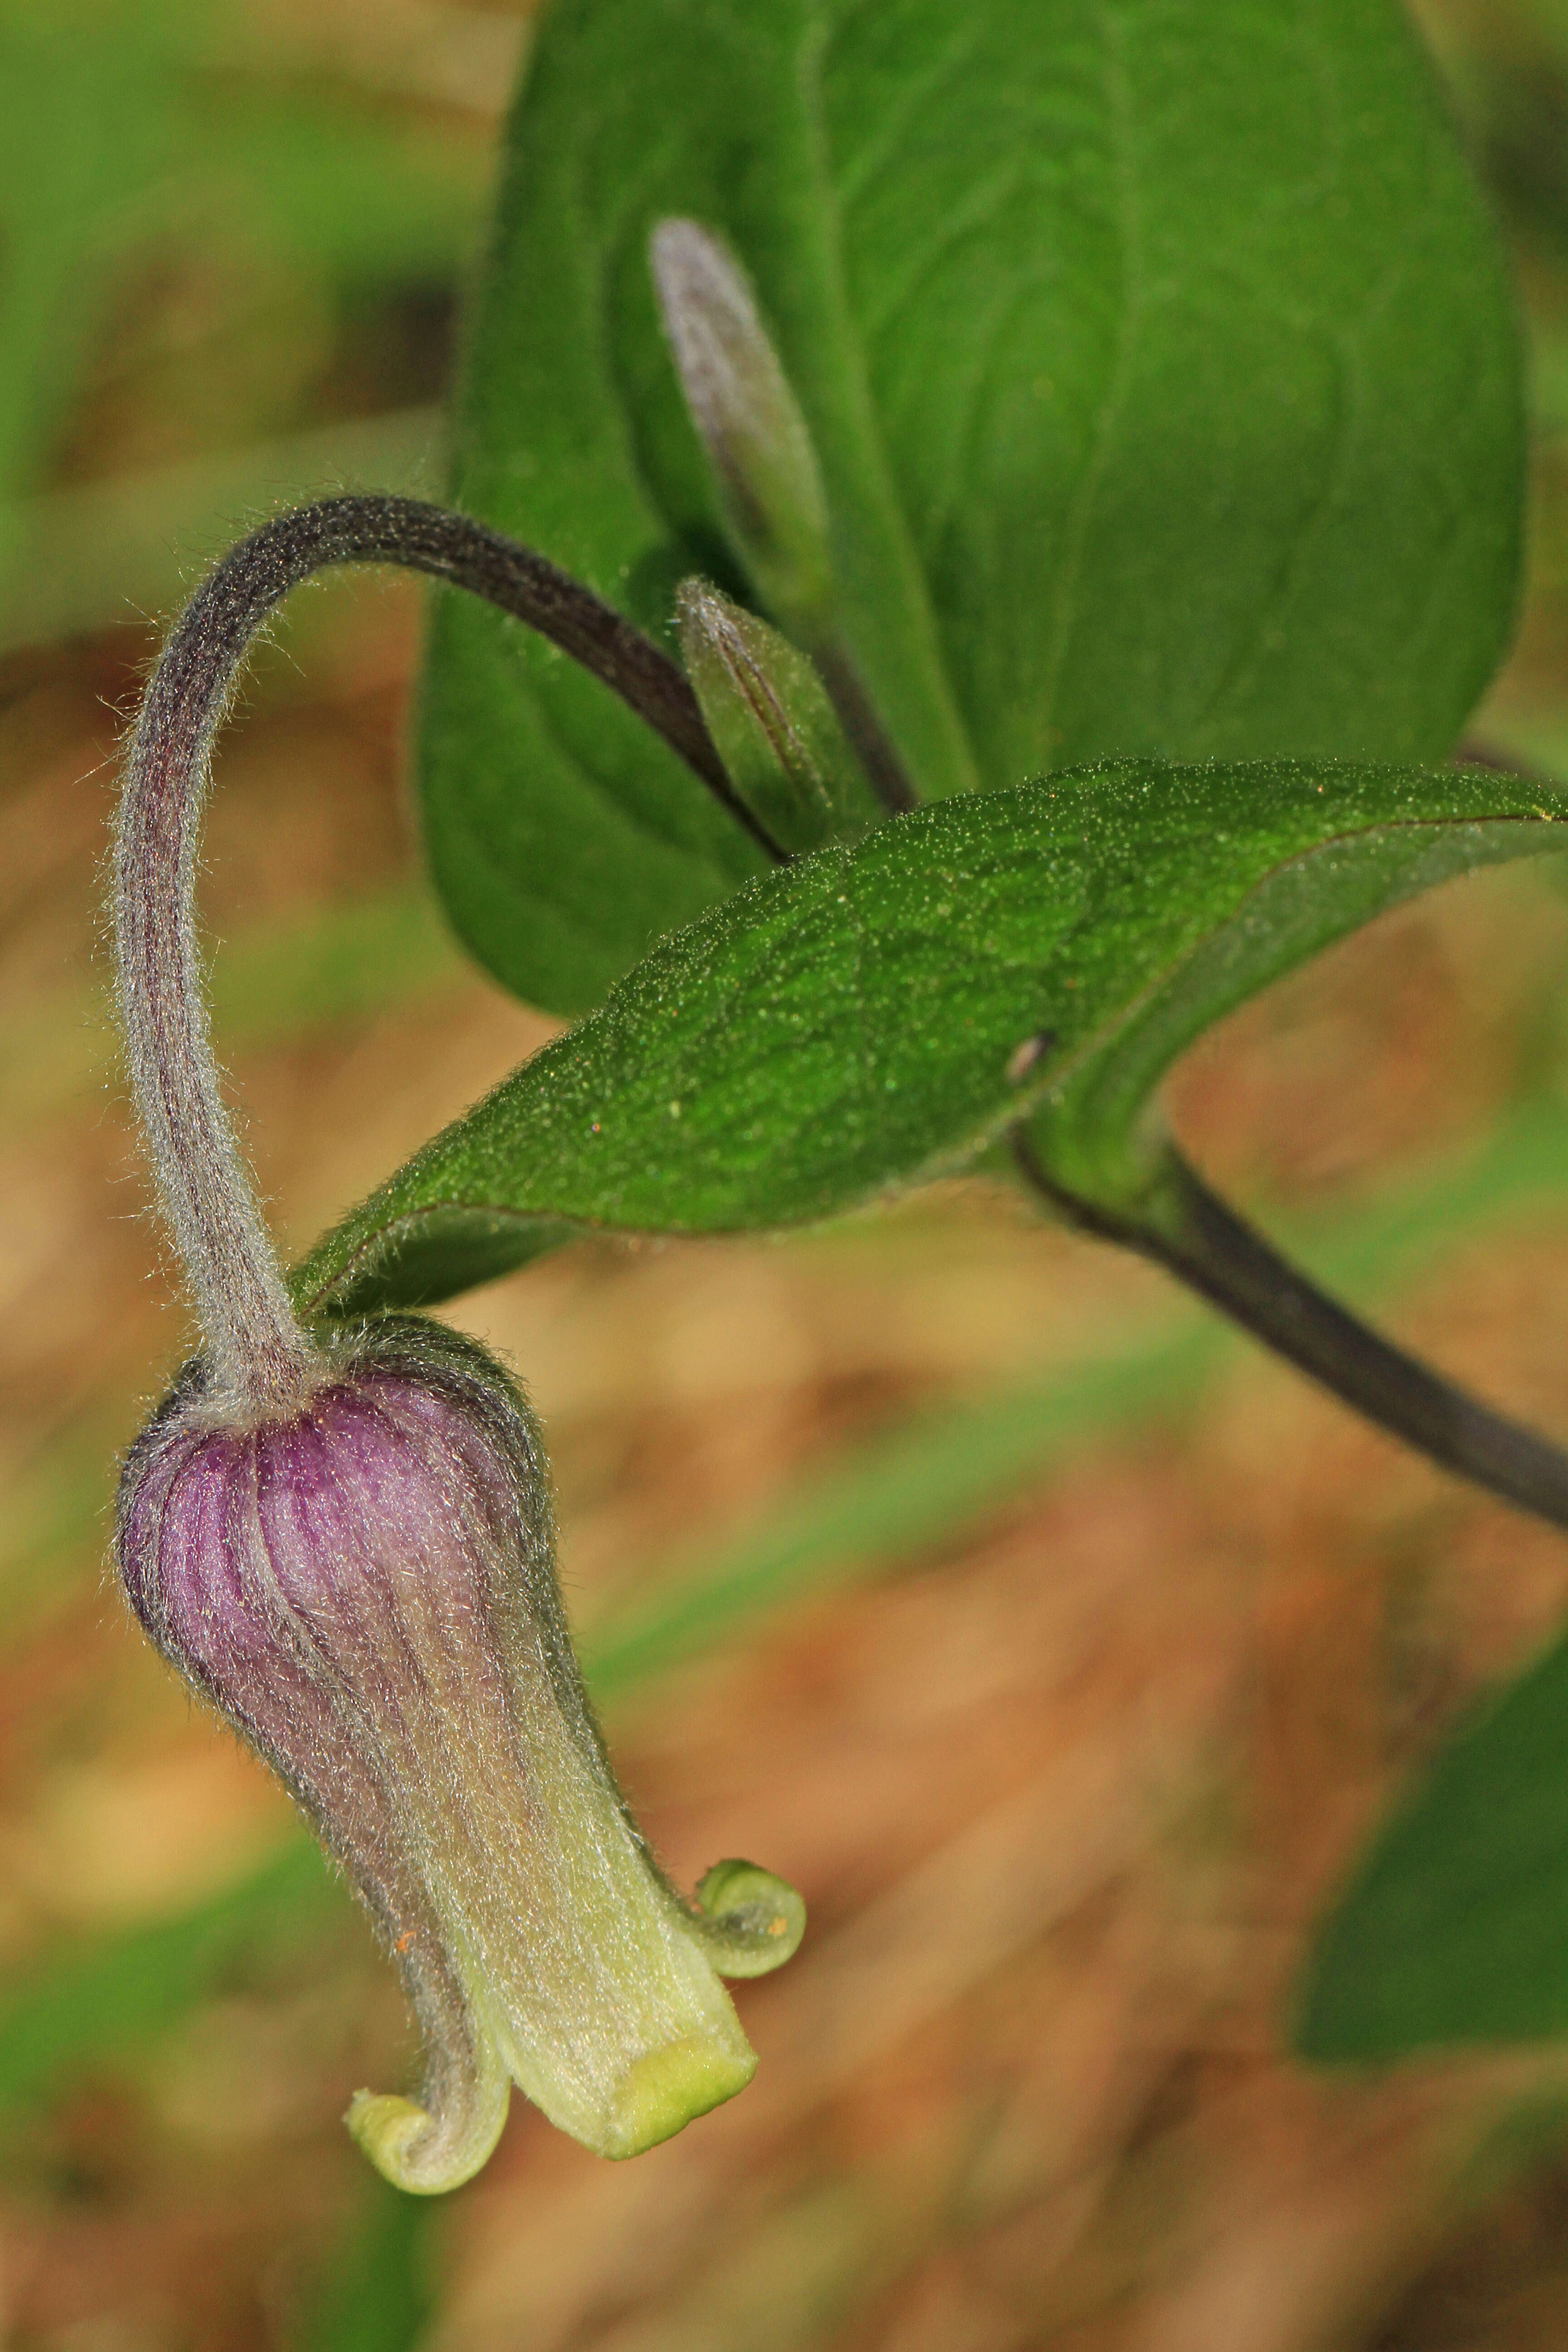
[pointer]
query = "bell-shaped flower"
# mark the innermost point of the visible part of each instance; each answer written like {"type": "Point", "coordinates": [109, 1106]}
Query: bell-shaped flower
{"type": "Point", "coordinates": [365, 1586]}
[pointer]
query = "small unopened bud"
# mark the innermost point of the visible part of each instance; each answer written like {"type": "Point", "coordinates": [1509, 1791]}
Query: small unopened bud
{"type": "Point", "coordinates": [769, 713]}
{"type": "Point", "coordinates": [757, 440]}
{"type": "Point", "coordinates": [366, 1587]}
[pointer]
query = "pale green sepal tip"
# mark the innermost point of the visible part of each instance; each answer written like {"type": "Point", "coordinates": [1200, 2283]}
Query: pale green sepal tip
{"type": "Point", "coordinates": [670, 2088]}
{"type": "Point", "coordinates": [751, 1923]}
{"type": "Point", "coordinates": [389, 2130]}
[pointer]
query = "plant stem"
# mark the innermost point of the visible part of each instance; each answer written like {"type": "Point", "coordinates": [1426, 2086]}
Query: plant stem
{"type": "Point", "coordinates": [259, 1354]}
{"type": "Point", "coordinates": [1193, 1235]}
{"type": "Point", "coordinates": [884, 769]}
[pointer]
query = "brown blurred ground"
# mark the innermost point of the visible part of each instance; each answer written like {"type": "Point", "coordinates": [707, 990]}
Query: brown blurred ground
{"type": "Point", "coordinates": [1063, 1795]}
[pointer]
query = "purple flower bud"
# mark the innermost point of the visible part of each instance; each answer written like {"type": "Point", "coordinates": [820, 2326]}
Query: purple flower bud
{"type": "Point", "coordinates": [364, 1584]}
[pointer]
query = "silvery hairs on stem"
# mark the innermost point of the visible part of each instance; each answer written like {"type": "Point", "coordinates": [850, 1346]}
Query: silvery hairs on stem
{"type": "Point", "coordinates": [343, 1538]}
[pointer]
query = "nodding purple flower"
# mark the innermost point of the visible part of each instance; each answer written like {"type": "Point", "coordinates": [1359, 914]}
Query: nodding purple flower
{"type": "Point", "coordinates": [366, 1587]}
{"type": "Point", "coordinates": [346, 1544]}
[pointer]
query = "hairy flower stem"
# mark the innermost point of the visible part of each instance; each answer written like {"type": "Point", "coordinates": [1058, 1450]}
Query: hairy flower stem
{"type": "Point", "coordinates": [261, 1356]}
{"type": "Point", "coordinates": [1193, 1235]}
{"type": "Point", "coordinates": [261, 1359]}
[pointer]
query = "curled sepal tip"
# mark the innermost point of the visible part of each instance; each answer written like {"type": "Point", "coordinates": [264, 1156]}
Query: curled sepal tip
{"type": "Point", "coordinates": [414, 2149]}
{"type": "Point", "coordinates": [751, 1922]}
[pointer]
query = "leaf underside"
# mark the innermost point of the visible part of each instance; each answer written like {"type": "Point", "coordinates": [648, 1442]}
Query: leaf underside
{"type": "Point", "coordinates": [1111, 914]}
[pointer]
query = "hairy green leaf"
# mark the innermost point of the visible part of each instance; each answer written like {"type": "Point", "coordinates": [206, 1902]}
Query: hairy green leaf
{"type": "Point", "coordinates": [1158, 364]}
{"type": "Point", "coordinates": [1454, 1929]}
{"type": "Point", "coordinates": [882, 1011]}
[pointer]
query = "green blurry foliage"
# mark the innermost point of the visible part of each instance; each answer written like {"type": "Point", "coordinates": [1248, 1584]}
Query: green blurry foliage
{"type": "Point", "coordinates": [127, 126]}
{"type": "Point", "coordinates": [379, 2295]}
{"type": "Point", "coordinates": [120, 1992]}
{"type": "Point", "coordinates": [1455, 1928]}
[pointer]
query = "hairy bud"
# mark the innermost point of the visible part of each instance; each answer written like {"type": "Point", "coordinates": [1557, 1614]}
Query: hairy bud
{"type": "Point", "coordinates": [769, 713]}
{"type": "Point", "coordinates": [766, 473]}
{"type": "Point", "coordinates": [364, 1585]}
{"type": "Point", "coordinates": [750, 423]}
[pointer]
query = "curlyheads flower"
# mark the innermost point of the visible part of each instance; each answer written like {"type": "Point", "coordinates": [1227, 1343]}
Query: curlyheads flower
{"type": "Point", "coordinates": [344, 1541]}
{"type": "Point", "coordinates": [366, 1587]}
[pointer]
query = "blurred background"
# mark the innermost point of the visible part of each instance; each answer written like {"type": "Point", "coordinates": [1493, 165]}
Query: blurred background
{"type": "Point", "coordinates": [1058, 1645]}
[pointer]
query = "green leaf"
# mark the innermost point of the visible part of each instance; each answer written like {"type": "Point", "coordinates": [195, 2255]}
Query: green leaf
{"type": "Point", "coordinates": [1455, 1928]}
{"type": "Point", "coordinates": [882, 1011]}
{"type": "Point", "coordinates": [1095, 1134]}
{"type": "Point", "coordinates": [1158, 360]}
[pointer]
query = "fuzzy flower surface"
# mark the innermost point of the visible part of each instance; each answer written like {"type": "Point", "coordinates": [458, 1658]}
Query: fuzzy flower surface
{"type": "Point", "coordinates": [366, 1587]}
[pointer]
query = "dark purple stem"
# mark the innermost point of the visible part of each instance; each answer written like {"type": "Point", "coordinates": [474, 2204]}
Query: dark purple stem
{"type": "Point", "coordinates": [1192, 1233]}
